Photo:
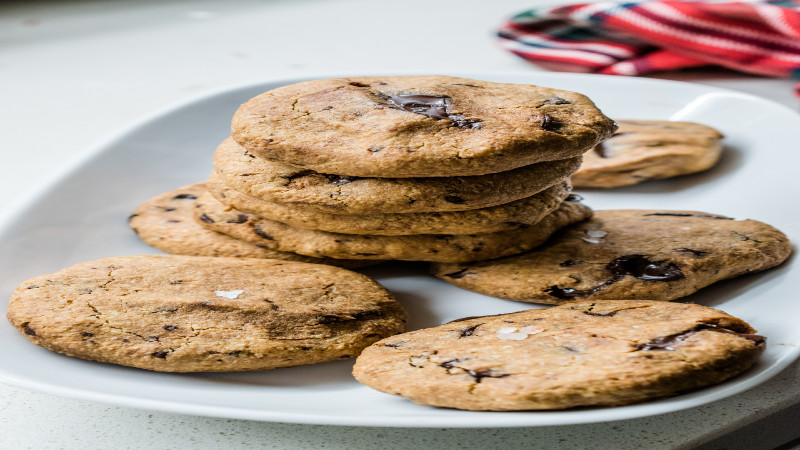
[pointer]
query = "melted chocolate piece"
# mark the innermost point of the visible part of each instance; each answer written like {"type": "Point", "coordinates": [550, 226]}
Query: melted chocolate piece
{"type": "Point", "coordinates": [669, 342]}
{"type": "Point", "coordinates": [637, 266]}
{"type": "Point", "coordinates": [206, 219]}
{"type": "Point", "coordinates": [30, 331]}
{"type": "Point", "coordinates": [707, 216]}
{"type": "Point", "coordinates": [241, 218]}
{"type": "Point", "coordinates": [433, 106]}
{"type": "Point", "coordinates": [161, 355]}
{"type": "Point", "coordinates": [640, 267]}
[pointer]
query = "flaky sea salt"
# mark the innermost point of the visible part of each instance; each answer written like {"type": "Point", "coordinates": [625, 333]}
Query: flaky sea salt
{"type": "Point", "coordinates": [594, 236]}
{"type": "Point", "coordinates": [229, 294]}
{"type": "Point", "coordinates": [530, 329]}
{"type": "Point", "coordinates": [514, 334]}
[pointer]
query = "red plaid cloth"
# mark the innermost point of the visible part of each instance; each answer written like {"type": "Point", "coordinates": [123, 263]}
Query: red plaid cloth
{"type": "Point", "coordinates": [639, 37]}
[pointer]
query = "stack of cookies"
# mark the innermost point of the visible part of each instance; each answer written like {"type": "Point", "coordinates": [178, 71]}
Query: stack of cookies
{"type": "Point", "coordinates": [427, 168]}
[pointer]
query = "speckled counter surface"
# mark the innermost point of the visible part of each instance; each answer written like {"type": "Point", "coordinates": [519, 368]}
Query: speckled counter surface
{"type": "Point", "coordinates": [74, 72]}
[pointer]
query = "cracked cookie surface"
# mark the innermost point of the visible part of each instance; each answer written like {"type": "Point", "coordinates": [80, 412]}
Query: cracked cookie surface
{"type": "Point", "coordinates": [600, 353]}
{"type": "Point", "coordinates": [167, 223]}
{"type": "Point", "coordinates": [313, 191]}
{"type": "Point", "coordinates": [195, 314]}
{"type": "Point", "coordinates": [510, 216]}
{"type": "Point", "coordinates": [417, 126]}
{"type": "Point", "coordinates": [644, 150]}
{"type": "Point", "coordinates": [215, 216]}
{"type": "Point", "coordinates": [628, 254]}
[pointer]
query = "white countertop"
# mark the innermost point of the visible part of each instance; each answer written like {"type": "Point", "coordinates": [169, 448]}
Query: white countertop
{"type": "Point", "coordinates": [74, 72]}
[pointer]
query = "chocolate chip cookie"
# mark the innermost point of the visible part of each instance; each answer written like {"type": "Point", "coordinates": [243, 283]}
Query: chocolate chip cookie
{"type": "Point", "coordinates": [510, 216]}
{"type": "Point", "coordinates": [602, 353]}
{"type": "Point", "coordinates": [167, 223]}
{"type": "Point", "coordinates": [423, 247]}
{"type": "Point", "coordinates": [644, 150]}
{"type": "Point", "coordinates": [417, 126]}
{"type": "Point", "coordinates": [628, 254]}
{"type": "Point", "coordinates": [313, 191]}
{"type": "Point", "coordinates": [204, 314]}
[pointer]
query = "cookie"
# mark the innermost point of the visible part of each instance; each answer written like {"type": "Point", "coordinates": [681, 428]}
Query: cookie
{"type": "Point", "coordinates": [167, 223]}
{"type": "Point", "coordinates": [628, 254]}
{"type": "Point", "coordinates": [603, 353]}
{"type": "Point", "coordinates": [204, 314]}
{"type": "Point", "coordinates": [644, 150]}
{"type": "Point", "coordinates": [423, 247]}
{"type": "Point", "coordinates": [313, 191]}
{"type": "Point", "coordinates": [510, 216]}
{"type": "Point", "coordinates": [417, 126]}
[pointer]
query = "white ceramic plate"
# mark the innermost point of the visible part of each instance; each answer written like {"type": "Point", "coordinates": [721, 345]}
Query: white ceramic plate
{"type": "Point", "coordinates": [82, 215]}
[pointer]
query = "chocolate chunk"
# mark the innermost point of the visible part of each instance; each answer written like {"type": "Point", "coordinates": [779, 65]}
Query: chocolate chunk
{"type": "Point", "coordinates": [258, 231]}
{"type": "Point", "coordinates": [696, 253]}
{"type": "Point", "coordinates": [470, 331]}
{"type": "Point", "coordinates": [241, 218]}
{"type": "Point", "coordinates": [601, 151]}
{"type": "Point", "coordinates": [204, 217]}
{"type": "Point", "coordinates": [568, 263]}
{"type": "Point", "coordinates": [574, 198]}
{"type": "Point", "coordinates": [161, 355]}
{"type": "Point", "coordinates": [170, 327]}
{"type": "Point", "coordinates": [454, 199]}
{"type": "Point", "coordinates": [132, 216]}
{"type": "Point", "coordinates": [85, 334]}
{"type": "Point", "coordinates": [458, 274]}
{"type": "Point", "coordinates": [341, 179]}
{"type": "Point", "coordinates": [30, 331]}
{"type": "Point", "coordinates": [184, 196]}
{"type": "Point", "coordinates": [608, 314]}
{"type": "Point", "coordinates": [557, 101]}
{"type": "Point", "coordinates": [300, 174]}
{"type": "Point", "coordinates": [550, 123]}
